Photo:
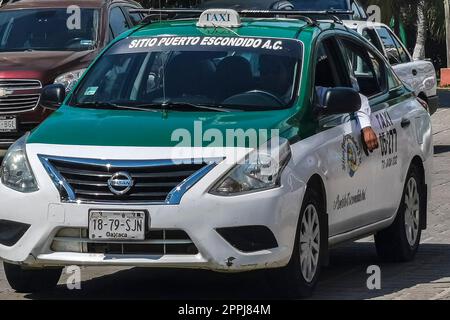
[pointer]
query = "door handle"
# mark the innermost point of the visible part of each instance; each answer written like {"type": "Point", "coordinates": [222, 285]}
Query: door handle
{"type": "Point", "coordinates": [405, 123]}
{"type": "Point", "coordinates": [414, 72]}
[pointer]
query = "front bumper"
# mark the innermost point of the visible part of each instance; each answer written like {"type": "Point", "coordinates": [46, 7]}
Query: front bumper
{"type": "Point", "coordinates": [199, 215]}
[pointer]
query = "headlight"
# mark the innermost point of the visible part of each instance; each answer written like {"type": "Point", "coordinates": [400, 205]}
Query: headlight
{"type": "Point", "coordinates": [15, 171]}
{"type": "Point", "coordinates": [70, 79]}
{"type": "Point", "coordinates": [261, 170]}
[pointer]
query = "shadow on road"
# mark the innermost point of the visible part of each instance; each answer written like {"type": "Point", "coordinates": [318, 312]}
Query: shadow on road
{"type": "Point", "coordinates": [439, 149]}
{"type": "Point", "coordinates": [444, 98]}
{"type": "Point", "coordinates": [345, 278]}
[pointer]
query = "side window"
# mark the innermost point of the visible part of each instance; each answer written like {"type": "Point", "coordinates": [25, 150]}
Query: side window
{"type": "Point", "coordinates": [329, 70]}
{"type": "Point", "coordinates": [356, 13]}
{"type": "Point", "coordinates": [117, 21]}
{"type": "Point", "coordinates": [404, 56]}
{"type": "Point", "coordinates": [371, 35]}
{"type": "Point", "coordinates": [135, 18]}
{"type": "Point", "coordinates": [366, 68]}
{"type": "Point", "coordinates": [367, 36]}
{"type": "Point", "coordinates": [389, 43]}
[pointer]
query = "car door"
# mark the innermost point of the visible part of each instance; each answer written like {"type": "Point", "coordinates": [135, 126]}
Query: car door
{"type": "Point", "coordinates": [389, 116]}
{"type": "Point", "coordinates": [350, 170]}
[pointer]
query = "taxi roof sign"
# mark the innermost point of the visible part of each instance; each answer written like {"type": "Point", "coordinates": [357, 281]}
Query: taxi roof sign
{"type": "Point", "coordinates": [219, 18]}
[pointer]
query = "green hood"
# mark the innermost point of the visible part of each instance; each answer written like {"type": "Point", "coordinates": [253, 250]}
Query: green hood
{"type": "Point", "coordinates": [77, 126]}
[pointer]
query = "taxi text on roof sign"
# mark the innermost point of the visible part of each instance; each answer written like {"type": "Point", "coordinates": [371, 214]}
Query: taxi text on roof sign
{"type": "Point", "coordinates": [219, 18]}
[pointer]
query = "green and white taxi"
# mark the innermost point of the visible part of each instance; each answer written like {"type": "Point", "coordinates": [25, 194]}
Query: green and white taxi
{"type": "Point", "coordinates": [200, 143]}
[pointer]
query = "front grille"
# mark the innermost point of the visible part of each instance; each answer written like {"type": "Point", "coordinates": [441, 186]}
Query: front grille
{"type": "Point", "coordinates": [20, 84]}
{"type": "Point", "coordinates": [19, 95]}
{"type": "Point", "coordinates": [19, 102]}
{"type": "Point", "coordinates": [158, 242]}
{"type": "Point", "coordinates": [152, 181]}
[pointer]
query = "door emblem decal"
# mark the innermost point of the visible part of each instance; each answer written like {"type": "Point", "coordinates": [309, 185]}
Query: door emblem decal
{"type": "Point", "coordinates": [351, 155]}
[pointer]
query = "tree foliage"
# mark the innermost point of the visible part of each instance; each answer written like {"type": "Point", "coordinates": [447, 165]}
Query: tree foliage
{"type": "Point", "coordinates": [405, 12]}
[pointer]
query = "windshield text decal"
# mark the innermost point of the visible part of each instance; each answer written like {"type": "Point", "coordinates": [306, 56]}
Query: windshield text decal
{"type": "Point", "coordinates": [242, 42]}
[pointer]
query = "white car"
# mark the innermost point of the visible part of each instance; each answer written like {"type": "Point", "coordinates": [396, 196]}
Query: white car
{"type": "Point", "coordinates": [420, 75]}
{"type": "Point", "coordinates": [186, 145]}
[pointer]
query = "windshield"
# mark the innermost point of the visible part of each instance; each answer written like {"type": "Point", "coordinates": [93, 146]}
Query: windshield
{"type": "Point", "coordinates": [226, 72]}
{"type": "Point", "coordinates": [320, 5]}
{"type": "Point", "coordinates": [48, 29]}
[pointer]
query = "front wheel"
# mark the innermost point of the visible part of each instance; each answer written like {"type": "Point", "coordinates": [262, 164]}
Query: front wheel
{"type": "Point", "coordinates": [299, 277]}
{"type": "Point", "coordinates": [400, 242]}
{"type": "Point", "coordinates": [31, 280]}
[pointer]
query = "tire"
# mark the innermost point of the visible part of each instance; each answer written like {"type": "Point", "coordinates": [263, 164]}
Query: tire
{"type": "Point", "coordinates": [400, 242]}
{"type": "Point", "coordinates": [31, 280]}
{"type": "Point", "coordinates": [296, 280]}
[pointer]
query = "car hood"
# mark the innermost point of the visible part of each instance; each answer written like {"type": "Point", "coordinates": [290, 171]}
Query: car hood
{"type": "Point", "coordinates": [76, 126]}
{"type": "Point", "coordinates": [42, 65]}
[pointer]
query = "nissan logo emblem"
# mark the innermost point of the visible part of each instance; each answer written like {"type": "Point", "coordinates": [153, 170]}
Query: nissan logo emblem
{"type": "Point", "coordinates": [120, 183]}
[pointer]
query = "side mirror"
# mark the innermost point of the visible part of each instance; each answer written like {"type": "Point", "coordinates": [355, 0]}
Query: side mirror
{"type": "Point", "coordinates": [341, 101]}
{"type": "Point", "coordinates": [53, 96]}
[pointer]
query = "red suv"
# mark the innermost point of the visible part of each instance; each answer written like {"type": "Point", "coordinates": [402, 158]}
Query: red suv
{"type": "Point", "coordinates": [44, 42]}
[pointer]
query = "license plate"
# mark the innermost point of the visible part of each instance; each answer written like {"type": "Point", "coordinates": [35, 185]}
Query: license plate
{"type": "Point", "coordinates": [8, 124]}
{"type": "Point", "coordinates": [116, 225]}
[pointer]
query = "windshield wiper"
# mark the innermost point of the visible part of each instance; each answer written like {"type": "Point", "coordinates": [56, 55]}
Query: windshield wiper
{"type": "Point", "coordinates": [185, 106]}
{"type": "Point", "coordinates": [110, 105]}
{"type": "Point", "coordinates": [181, 106]}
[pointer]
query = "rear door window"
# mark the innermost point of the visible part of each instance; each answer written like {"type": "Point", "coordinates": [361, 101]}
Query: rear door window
{"type": "Point", "coordinates": [117, 21]}
{"type": "Point", "coordinates": [404, 56]}
{"type": "Point", "coordinates": [390, 46]}
{"type": "Point", "coordinates": [135, 17]}
{"type": "Point", "coordinates": [370, 35]}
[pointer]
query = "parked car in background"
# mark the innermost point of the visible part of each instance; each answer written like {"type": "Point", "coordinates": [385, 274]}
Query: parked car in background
{"type": "Point", "coordinates": [304, 5]}
{"type": "Point", "coordinates": [420, 75]}
{"type": "Point", "coordinates": [43, 42]}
